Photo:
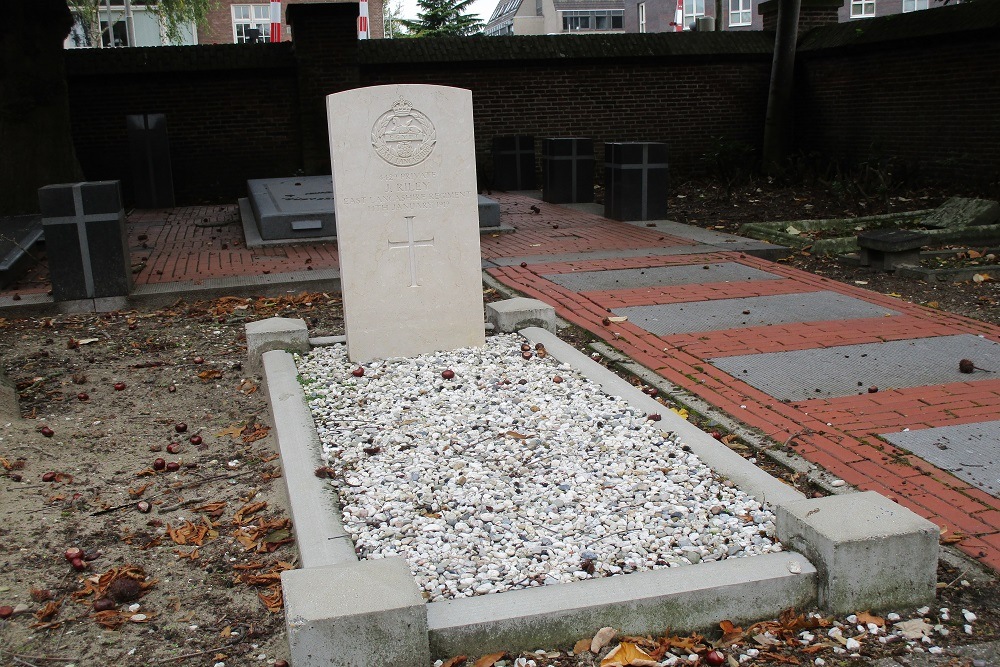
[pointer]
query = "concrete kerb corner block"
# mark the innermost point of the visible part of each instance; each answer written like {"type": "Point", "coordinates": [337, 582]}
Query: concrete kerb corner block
{"type": "Point", "coordinates": [871, 553]}
{"type": "Point", "coordinates": [8, 399]}
{"type": "Point", "coordinates": [364, 614]}
{"type": "Point", "coordinates": [518, 313]}
{"type": "Point", "coordinates": [274, 333]}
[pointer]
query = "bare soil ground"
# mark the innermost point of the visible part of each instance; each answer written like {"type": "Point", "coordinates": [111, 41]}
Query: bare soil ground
{"type": "Point", "coordinates": [194, 581]}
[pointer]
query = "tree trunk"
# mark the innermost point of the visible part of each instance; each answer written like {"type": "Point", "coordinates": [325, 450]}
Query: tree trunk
{"type": "Point", "coordinates": [35, 133]}
{"type": "Point", "coordinates": [779, 123]}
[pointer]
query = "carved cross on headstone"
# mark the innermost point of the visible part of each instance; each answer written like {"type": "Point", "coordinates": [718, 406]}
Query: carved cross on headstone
{"type": "Point", "coordinates": [411, 244]}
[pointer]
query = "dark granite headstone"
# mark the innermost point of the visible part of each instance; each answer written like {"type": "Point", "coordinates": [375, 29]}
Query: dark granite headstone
{"type": "Point", "coordinates": [85, 240]}
{"type": "Point", "coordinates": [567, 170]}
{"type": "Point", "coordinates": [149, 159]}
{"type": "Point", "coordinates": [635, 181]}
{"type": "Point", "coordinates": [514, 162]}
{"type": "Point", "coordinates": [18, 233]}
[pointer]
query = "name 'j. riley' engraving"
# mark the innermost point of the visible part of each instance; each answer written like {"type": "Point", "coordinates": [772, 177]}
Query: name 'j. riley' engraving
{"type": "Point", "coordinates": [403, 136]}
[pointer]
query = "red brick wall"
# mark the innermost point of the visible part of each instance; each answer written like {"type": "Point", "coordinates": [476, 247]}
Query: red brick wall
{"type": "Point", "coordinates": [910, 87]}
{"type": "Point", "coordinates": [684, 104]}
{"type": "Point", "coordinates": [252, 111]}
{"type": "Point", "coordinates": [232, 113]}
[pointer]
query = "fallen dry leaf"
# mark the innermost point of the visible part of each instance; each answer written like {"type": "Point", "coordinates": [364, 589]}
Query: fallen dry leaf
{"type": "Point", "coordinates": [454, 660]}
{"type": "Point", "coordinates": [602, 638]}
{"type": "Point", "coordinates": [867, 617]}
{"type": "Point", "coordinates": [48, 611]}
{"type": "Point", "coordinates": [233, 431]}
{"type": "Point", "coordinates": [581, 646]}
{"type": "Point", "coordinates": [209, 375]}
{"type": "Point", "coordinates": [246, 510]}
{"type": "Point", "coordinates": [489, 660]}
{"type": "Point", "coordinates": [626, 654]}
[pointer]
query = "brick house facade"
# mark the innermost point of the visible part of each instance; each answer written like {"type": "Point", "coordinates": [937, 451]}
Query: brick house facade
{"type": "Point", "coordinates": [221, 26]}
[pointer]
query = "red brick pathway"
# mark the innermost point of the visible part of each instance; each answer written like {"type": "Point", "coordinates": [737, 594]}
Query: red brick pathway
{"type": "Point", "coordinates": [838, 434]}
{"type": "Point", "coordinates": [194, 244]}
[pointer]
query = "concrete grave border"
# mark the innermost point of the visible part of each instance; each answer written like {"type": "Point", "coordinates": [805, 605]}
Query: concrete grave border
{"type": "Point", "coordinates": [334, 595]}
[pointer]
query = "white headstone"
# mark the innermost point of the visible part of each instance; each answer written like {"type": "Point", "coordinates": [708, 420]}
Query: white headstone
{"type": "Point", "coordinates": [404, 177]}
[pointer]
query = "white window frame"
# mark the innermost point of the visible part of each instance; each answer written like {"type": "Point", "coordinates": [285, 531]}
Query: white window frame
{"type": "Point", "coordinates": [915, 5]}
{"type": "Point", "coordinates": [691, 12]}
{"type": "Point", "coordinates": [862, 9]}
{"type": "Point", "coordinates": [742, 11]}
{"type": "Point", "coordinates": [642, 17]}
{"type": "Point", "coordinates": [257, 16]}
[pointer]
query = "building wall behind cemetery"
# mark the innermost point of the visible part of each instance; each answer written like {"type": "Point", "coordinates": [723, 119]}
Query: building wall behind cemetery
{"type": "Point", "coordinates": [919, 86]}
{"type": "Point", "coordinates": [232, 113]}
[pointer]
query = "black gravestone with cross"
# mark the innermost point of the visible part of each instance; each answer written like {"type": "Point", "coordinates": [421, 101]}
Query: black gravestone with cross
{"type": "Point", "coordinates": [85, 240]}
{"type": "Point", "coordinates": [567, 170]}
{"type": "Point", "coordinates": [514, 162]}
{"type": "Point", "coordinates": [635, 180]}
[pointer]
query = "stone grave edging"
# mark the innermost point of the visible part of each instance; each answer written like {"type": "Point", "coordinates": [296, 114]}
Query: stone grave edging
{"type": "Point", "coordinates": [335, 604]}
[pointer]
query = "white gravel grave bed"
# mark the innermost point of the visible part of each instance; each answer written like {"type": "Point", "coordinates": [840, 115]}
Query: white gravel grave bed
{"type": "Point", "coordinates": [514, 473]}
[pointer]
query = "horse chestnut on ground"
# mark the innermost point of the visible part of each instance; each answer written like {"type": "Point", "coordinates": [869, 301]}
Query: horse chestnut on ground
{"type": "Point", "coordinates": [104, 604]}
{"type": "Point", "coordinates": [358, 372]}
{"type": "Point", "coordinates": [195, 440]}
{"type": "Point", "coordinates": [654, 417]}
{"type": "Point", "coordinates": [159, 464]}
{"type": "Point", "coordinates": [448, 374]}
{"type": "Point", "coordinates": [180, 427]}
{"type": "Point", "coordinates": [280, 663]}
{"type": "Point", "coordinates": [119, 386]}
{"type": "Point", "coordinates": [173, 466]}
{"type": "Point", "coordinates": [78, 564]}
{"type": "Point", "coordinates": [49, 477]}
{"type": "Point", "coordinates": [172, 388]}
{"type": "Point", "coordinates": [714, 658]}
{"type": "Point", "coordinates": [73, 553]}
{"type": "Point", "coordinates": [873, 389]}
{"type": "Point", "coordinates": [143, 506]}
{"type": "Point", "coordinates": [174, 447]}
{"type": "Point", "coordinates": [47, 432]}
{"type": "Point", "coordinates": [7, 611]}
{"type": "Point", "coordinates": [199, 360]}
{"type": "Point", "coordinates": [82, 396]}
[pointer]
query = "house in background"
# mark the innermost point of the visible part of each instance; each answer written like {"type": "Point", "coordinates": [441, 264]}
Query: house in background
{"type": "Point", "coordinates": [549, 17]}
{"type": "Point", "coordinates": [535, 17]}
{"type": "Point", "coordinates": [227, 23]}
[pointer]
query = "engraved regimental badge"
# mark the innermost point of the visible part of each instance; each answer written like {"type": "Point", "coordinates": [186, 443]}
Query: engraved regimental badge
{"type": "Point", "coordinates": [403, 136]}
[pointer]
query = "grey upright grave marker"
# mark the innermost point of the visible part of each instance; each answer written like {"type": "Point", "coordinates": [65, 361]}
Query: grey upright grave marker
{"type": "Point", "coordinates": [514, 162]}
{"type": "Point", "coordinates": [404, 179]}
{"type": "Point", "coordinates": [635, 181]}
{"type": "Point", "coordinates": [567, 170]}
{"type": "Point", "coordinates": [149, 158]}
{"type": "Point", "coordinates": [85, 240]}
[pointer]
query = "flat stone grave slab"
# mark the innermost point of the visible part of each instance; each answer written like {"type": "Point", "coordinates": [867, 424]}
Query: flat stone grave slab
{"type": "Point", "coordinates": [290, 208]}
{"type": "Point", "coordinates": [18, 233]}
{"type": "Point", "coordinates": [850, 369]}
{"type": "Point", "coordinates": [654, 276]}
{"type": "Point", "coordinates": [716, 315]}
{"type": "Point", "coordinates": [964, 212]}
{"type": "Point", "coordinates": [971, 452]}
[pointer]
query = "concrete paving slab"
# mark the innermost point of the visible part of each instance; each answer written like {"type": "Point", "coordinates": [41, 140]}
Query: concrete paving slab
{"type": "Point", "coordinates": [512, 314]}
{"type": "Point", "coordinates": [684, 598]}
{"type": "Point", "coordinates": [719, 314]}
{"type": "Point", "coordinates": [850, 369]}
{"type": "Point", "coordinates": [971, 452]}
{"type": "Point", "coordinates": [686, 274]}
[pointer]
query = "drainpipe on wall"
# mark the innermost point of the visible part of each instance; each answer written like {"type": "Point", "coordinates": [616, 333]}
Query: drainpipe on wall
{"type": "Point", "coordinates": [129, 23]}
{"type": "Point", "coordinates": [111, 25]}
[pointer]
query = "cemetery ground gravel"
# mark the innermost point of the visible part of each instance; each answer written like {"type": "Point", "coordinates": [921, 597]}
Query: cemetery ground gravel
{"type": "Point", "coordinates": [216, 536]}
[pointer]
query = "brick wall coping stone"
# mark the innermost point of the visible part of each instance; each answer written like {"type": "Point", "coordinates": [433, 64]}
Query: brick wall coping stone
{"type": "Point", "coordinates": [565, 47]}
{"type": "Point", "coordinates": [203, 57]}
{"type": "Point", "coordinates": [959, 22]}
